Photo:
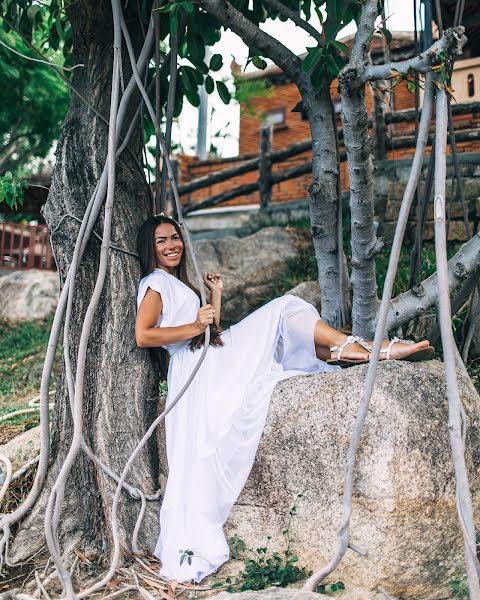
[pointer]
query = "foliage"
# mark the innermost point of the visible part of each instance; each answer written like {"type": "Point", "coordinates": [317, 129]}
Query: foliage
{"type": "Point", "coordinates": [459, 588]}
{"type": "Point", "coordinates": [248, 89]}
{"type": "Point", "coordinates": [264, 568]}
{"type": "Point", "coordinates": [331, 588]}
{"type": "Point", "coordinates": [11, 189]}
{"type": "Point", "coordinates": [34, 103]}
{"type": "Point", "coordinates": [304, 267]}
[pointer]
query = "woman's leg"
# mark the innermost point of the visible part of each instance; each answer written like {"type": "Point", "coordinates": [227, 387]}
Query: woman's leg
{"type": "Point", "coordinates": [326, 337]}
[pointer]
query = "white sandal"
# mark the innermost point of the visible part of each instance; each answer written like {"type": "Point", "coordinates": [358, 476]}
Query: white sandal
{"type": "Point", "coordinates": [347, 362]}
{"type": "Point", "coordinates": [422, 354]}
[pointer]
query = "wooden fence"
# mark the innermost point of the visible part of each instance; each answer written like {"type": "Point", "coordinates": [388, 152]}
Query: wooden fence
{"type": "Point", "coordinates": [267, 157]}
{"type": "Point", "coordinates": [28, 246]}
{"type": "Point", "coordinates": [25, 247]}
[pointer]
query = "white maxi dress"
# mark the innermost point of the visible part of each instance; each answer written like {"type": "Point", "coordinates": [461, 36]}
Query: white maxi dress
{"type": "Point", "coordinates": [213, 432]}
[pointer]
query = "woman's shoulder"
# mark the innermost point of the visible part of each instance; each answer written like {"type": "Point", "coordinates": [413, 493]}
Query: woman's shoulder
{"type": "Point", "coordinates": [158, 280]}
{"type": "Point", "coordinates": [156, 275]}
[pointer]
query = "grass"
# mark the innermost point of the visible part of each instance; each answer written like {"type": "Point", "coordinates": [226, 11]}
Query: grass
{"type": "Point", "coordinates": [22, 352]}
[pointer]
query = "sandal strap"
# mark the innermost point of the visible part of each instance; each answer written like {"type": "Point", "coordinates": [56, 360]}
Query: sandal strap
{"type": "Point", "coordinates": [394, 341]}
{"type": "Point", "coordinates": [351, 339]}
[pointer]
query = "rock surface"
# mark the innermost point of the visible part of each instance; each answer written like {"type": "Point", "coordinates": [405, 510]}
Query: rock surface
{"type": "Point", "coordinates": [309, 291]}
{"type": "Point", "coordinates": [28, 295]}
{"type": "Point", "coordinates": [404, 513]}
{"type": "Point", "coordinates": [250, 267]}
{"type": "Point", "coordinates": [22, 448]}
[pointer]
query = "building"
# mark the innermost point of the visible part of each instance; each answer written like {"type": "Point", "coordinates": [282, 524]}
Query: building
{"type": "Point", "coordinates": [289, 125]}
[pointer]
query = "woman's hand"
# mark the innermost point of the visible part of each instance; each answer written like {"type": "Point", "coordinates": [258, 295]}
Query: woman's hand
{"type": "Point", "coordinates": [213, 281]}
{"type": "Point", "coordinates": [205, 317]}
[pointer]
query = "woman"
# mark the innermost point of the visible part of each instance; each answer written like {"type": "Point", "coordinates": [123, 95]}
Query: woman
{"type": "Point", "coordinates": [214, 431]}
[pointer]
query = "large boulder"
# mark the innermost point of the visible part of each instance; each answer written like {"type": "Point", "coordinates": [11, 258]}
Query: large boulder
{"type": "Point", "coordinates": [28, 295]}
{"type": "Point", "coordinates": [404, 513]}
{"type": "Point", "coordinates": [250, 267]}
{"type": "Point", "coordinates": [309, 291]}
{"type": "Point", "coordinates": [22, 449]}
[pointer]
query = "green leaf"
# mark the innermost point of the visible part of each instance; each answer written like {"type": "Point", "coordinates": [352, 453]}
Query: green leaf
{"type": "Point", "coordinates": [201, 67]}
{"type": "Point", "coordinates": [332, 65]}
{"type": "Point", "coordinates": [341, 47]}
{"type": "Point", "coordinates": [188, 78]}
{"type": "Point", "coordinates": [411, 86]}
{"type": "Point", "coordinates": [209, 84]}
{"type": "Point", "coordinates": [259, 62]}
{"type": "Point", "coordinates": [317, 76]}
{"type": "Point", "coordinates": [187, 7]}
{"type": "Point", "coordinates": [173, 22]}
{"type": "Point", "coordinates": [223, 92]}
{"type": "Point", "coordinates": [332, 10]}
{"type": "Point", "coordinates": [387, 35]}
{"type": "Point", "coordinates": [216, 62]}
{"type": "Point", "coordinates": [307, 9]}
{"type": "Point", "coordinates": [217, 585]}
{"type": "Point", "coordinates": [313, 57]}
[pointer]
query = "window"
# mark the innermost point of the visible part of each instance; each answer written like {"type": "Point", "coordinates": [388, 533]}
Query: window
{"type": "Point", "coordinates": [471, 85]}
{"type": "Point", "coordinates": [276, 117]}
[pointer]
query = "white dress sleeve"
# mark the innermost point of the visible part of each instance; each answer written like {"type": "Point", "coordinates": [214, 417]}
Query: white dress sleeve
{"type": "Point", "coordinates": [159, 283]}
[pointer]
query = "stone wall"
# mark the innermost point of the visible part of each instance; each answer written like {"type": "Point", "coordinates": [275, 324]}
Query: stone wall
{"type": "Point", "coordinates": [391, 179]}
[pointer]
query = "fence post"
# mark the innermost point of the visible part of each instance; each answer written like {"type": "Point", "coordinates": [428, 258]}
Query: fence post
{"type": "Point", "coordinates": [265, 165]}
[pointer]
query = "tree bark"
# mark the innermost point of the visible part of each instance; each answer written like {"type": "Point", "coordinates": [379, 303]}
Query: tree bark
{"type": "Point", "coordinates": [121, 383]}
{"type": "Point", "coordinates": [323, 199]}
{"type": "Point", "coordinates": [416, 302]}
{"type": "Point", "coordinates": [365, 244]}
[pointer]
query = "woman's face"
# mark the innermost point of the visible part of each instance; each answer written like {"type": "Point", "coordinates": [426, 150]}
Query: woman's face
{"type": "Point", "coordinates": [168, 247]}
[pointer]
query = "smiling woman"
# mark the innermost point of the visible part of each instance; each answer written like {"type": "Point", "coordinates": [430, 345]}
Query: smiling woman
{"type": "Point", "coordinates": [213, 433]}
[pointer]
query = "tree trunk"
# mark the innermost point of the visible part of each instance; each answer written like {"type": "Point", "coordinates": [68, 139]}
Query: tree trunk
{"type": "Point", "coordinates": [323, 197]}
{"type": "Point", "coordinates": [365, 244]}
{"type": "Point", "coordinates": [121, 383]}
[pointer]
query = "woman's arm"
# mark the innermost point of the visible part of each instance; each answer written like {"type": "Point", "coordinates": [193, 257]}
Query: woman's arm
{"type": "Point", "coordinates": [216, 302]}
{"type": "Point", "coordinates": [147, 335]}
{"type": "Point", "coordinates": [214, 283]}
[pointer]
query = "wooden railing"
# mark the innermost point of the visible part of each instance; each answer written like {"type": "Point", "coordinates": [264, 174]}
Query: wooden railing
{"type": "Point", "coordinates": [25, 247]}
{"type": "Point", "coordinates": [267, 157]}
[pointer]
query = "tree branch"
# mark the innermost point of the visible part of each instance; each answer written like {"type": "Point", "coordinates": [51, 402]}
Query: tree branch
{"type": "Point", "coordinates": [256, 38]}
{"type": "Point", "coordinates": [297, 19]}
{"type": "Point", "coordinates": [365, 31]}
{"type": "Point", "coordinates": [451, 43]}
{"type": "Point", "coordinates": [411, 304]}
{"type": "Point", "coordinates": [38, 60]}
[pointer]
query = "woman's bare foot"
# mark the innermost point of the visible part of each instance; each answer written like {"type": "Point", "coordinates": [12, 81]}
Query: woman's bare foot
{"type": "Point", "coordinates": [399, 349]}
{"type": "Point", "coordinates": [356, 349]}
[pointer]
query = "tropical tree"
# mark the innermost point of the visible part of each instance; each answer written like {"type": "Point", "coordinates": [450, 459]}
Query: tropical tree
{"type": "Point", "coordinates": [108, 389]}
{"type": "Point", "coordinates": [34, 101]}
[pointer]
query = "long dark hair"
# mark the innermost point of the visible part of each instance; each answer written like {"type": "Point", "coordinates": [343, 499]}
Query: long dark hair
{"type": "Point", "coordinates": [148, 263]}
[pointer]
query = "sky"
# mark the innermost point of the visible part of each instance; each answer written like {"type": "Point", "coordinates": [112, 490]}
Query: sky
{"type": "Point", "coordinates": [226, 118]}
